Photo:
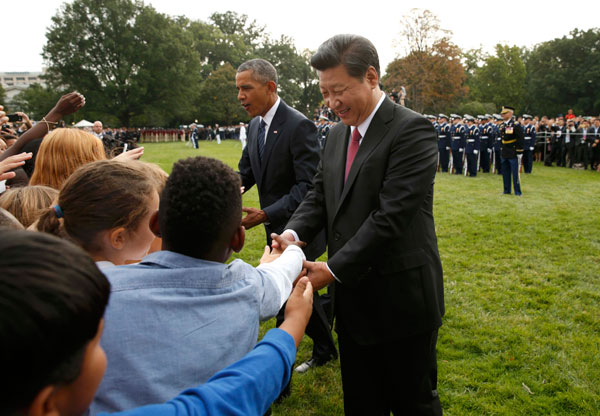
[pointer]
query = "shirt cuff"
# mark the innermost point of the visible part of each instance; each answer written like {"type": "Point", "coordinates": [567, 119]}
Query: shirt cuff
{"type": "Point", "coordinates": [294, 233]}
{"type": "Point", "coordinates": [329, 268]}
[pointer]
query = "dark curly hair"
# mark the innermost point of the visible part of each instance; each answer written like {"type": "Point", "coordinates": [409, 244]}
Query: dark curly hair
{"type": "Point", "coordinates": [200, 206]}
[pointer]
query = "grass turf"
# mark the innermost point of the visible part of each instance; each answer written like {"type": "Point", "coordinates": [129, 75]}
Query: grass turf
{"type": "Point", "coordinates": [521, 335]}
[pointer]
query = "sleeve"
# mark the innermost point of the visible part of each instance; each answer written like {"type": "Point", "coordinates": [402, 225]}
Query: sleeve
{"type": "Point", "coordinates": [245, 170]}
{"type": "Point", "coordinates": [276, 279]}
{"type": "Point", "coordinates": [305, 154]}
{"type": "Point", "coordinates": [247, 387]}
{"type": "Point", "coordinates": [520, 138]}
{"type": "Point", "coordinates": [311, 217]}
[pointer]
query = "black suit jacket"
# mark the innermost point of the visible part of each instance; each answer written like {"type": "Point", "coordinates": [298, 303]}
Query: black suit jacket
{"type": "Point", "coordinates": [381, 237]}
{"type": "Point", "coordinates": [290, 160]}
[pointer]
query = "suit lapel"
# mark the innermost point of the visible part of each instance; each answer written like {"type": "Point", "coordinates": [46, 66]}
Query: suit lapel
{"type": "Point", "coordinates": [338, 160]}
{"type": "Point", "coordinates": [375, 133]}
{"type": "Point", "coordinates": [275, 130]}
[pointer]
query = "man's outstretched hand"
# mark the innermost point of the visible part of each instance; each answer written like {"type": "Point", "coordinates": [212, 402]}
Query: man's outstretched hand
{"type": "Point", "coordinates": [253, 217]}
{"type": "Point", "coordinates": [281, 242]}
{"type": "Point", "coordinates": [318, 274]}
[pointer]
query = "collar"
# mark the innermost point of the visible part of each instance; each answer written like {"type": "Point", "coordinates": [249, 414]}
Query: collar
{"type": "Point", "coordinates": [268, 118]}
{"type": "Point", "coordinates": [364, 126]}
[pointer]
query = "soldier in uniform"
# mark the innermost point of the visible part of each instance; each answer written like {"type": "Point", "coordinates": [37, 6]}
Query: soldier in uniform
{"type": "Point", "coordinates": [457, 135]}
{"type": "Point", "coordinates": [473, 145]}
{"type": "Point", "coordinates": [497, 140]}
{"type": "Point", "coordinates": [529, 143]}
{"type": "Point", "coordinates": [486, 128]}
{"type": "Point", "coordinates": [443, 131]}
{"type": "Point", "coordinates": [511, 133]}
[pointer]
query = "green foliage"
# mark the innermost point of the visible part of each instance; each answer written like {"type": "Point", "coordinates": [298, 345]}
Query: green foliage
{"type": "Point", "coordinates": [2, 94]}
{"type": "Point", "coordinates": [129, 60]}
{"type": "Point", "coordinates": [521, 333]}
{"type": "Point", "coordinates": [36, 100]}
{"type": "Point", "coordinates": [218, 98]}
{"type": "Point", "coordinates": [298, 84]}
{"type": "Point", "coordinates": [501, 80]}
{"type": "Point", "coordinates": [565, 73]}
{"type": "Point", "coordinates": [140, 67]}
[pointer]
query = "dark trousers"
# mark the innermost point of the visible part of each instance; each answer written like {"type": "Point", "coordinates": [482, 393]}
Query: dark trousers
{"type": "Point", "coordinates": [510, 167]}
{"type": "Point", "coordinates": [457, 161]}
{"type": "Point", "coordinates": [527, 160]}
{"type": "Point", "coordinates": [484, 160]}
{"type": "Point", "coordinates": [498, 160]}
{"type": "Point", "coordinates": [472, 164]}
{"type": "Point", "coordinates": [398, 376]}
{"type": "Point", "coordinates": [444, 158]}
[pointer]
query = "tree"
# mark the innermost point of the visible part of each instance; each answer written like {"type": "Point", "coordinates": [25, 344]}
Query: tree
{"type": "Point", "coordinates": [218, 98]}
{"type": "Point", "coordinates": [298, 84]}
{"type": "Point", "coordinates": [501, 79]}
{"type": "Point", "coordinates": [565, 73]}
{"type": "Point", "coordinates": [37, 100]}
{"type": "Point", "coordinates": [2, 95]}
{"type": "Point", "coordinates": [129, 60]}
{"type": "Point", "coordinates": [434, 79]}
{"type": "Point", "coordinates": [421, 30]}
{"type": "Point", "coordinates": [431, 71]}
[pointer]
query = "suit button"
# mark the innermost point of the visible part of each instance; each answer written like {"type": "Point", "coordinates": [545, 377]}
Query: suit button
{"type": "Point", "coordinates": [336, 236]}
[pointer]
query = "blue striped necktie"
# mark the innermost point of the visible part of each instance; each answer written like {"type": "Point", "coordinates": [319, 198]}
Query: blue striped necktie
{"type": "Point", "coordinates": [261, 139]}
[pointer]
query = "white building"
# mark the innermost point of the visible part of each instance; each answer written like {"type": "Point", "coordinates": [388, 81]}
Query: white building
{"type": "Point", "coordinates": [15, 82]}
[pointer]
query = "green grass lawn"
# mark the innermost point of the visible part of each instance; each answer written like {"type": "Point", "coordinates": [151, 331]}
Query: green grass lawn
{"type": "Point", "coordinates": [521, 335]}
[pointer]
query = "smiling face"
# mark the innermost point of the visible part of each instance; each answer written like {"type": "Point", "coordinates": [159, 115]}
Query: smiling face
{"type": "Point", "coordinates": [352, 99]}
{"type": "Point", "coordinates": [256, 97]}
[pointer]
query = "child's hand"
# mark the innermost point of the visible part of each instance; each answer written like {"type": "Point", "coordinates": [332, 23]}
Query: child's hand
{"type": "Point", "coordinates": [269, 255]}
{"type": "Point", "coordinates": [298, 310]}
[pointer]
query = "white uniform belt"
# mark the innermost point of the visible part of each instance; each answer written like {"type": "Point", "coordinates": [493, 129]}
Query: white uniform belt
{"type": "Point", "coordinates": [484, 137]}
{"type": "Point", "coordinates": [528, 137]}
{"type": "Point", "coordinates": [455, 137]}
{"type": "Point", "coordinates": [470, 140]}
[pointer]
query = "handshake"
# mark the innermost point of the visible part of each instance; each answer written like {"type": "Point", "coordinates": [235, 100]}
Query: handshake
{"type": "Point", "coordinates": [317, 272]}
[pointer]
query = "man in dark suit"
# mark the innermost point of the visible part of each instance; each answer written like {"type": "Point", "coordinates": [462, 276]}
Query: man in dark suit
{"type": "Point", "coordinates": [281, 158]}
{"type": "Point", "coordinates": [374, 192]}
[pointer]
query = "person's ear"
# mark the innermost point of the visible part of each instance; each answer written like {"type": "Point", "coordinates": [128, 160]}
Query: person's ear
{"type": "Point", "coordinates": [154, 224]}
{"type": "Point", "coordinates": [272, 86]}
{"type": "Point", "coordinates": [238, 239]}
{"type": "Point", "coordinates": [372, 77]}
{"type": "Point", "coordinates": [43, 403]}
{"type": "Point", "coordinates": [116, 237]}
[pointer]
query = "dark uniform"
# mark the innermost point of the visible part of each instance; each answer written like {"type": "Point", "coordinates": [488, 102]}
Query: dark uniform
{"type": "Point", "coordinates": [497, 140]}
{"type": "Point", "coordinates": [529, 144]}
{"type": "Point", "coordinates": [443, 131]}
{"type": "Point", "coordinates": [457, 136]}
{"type": "Point", "coordinates": [511, 133]}
{"type": "Point", "coordinates": [486, 146]}
{"type": "Point", "coordinates": [472, 146]}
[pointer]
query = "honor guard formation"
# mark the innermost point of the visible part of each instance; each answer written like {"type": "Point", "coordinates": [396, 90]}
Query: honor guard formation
{"type": "Point", "coordinates": [501, 144]}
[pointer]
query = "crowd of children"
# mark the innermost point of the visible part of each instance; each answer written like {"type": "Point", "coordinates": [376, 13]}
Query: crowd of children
{"type": "Point", "coordinates": [108, 266]}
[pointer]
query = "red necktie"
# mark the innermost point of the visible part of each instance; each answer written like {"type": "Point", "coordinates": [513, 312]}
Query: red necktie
{"type": "Point", "coordinates": [352, 149]}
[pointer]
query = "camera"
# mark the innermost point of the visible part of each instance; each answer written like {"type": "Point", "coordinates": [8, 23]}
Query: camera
{"type": "Point", "coordinates": [14, 117]}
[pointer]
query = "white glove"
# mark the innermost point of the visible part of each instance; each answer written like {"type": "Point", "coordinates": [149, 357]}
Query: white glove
{"type": "Point", "coordinates": [447, 148]}
{"type": "Point", "coordinates": [461, 150]}
{"type": "Point", "coordinates": [531, 148]}
{"type": "Point", "coordinates": [475, 151]}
